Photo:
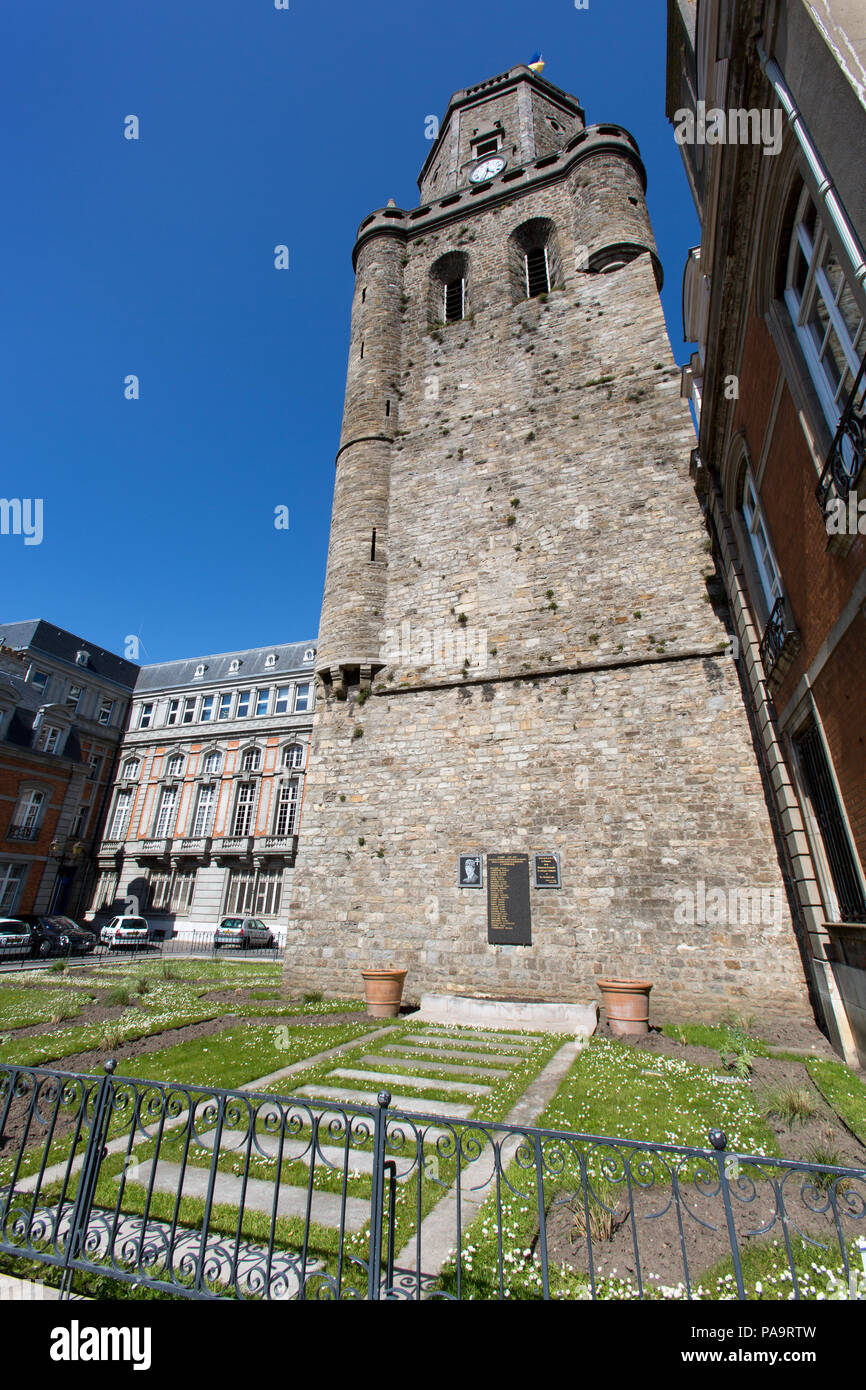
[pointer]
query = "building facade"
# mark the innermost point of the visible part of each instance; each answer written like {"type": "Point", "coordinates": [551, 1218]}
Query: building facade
{"type": "Point", "coordinates": [204, 812]}
{"type": "Point", "coordinates": [63, 708]}
{"type": "Point", "coordinates": [520, 650]}
{"type": "Point", "coordinates": [775, 299]}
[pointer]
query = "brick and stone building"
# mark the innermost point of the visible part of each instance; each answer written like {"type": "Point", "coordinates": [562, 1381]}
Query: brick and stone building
{"type": "Point", "coordinates": [522, 649]}
{"type": "Point", "coordinates": [205, 808]}
{"type": "Point", "coordinates": [775, 299]}
{"type": "Point", "coordinates": [63, 708]}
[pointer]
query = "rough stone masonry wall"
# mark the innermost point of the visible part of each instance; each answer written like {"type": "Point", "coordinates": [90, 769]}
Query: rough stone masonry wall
{"type": "Point", "coordinates": [539, 502]}
{"type": "Point", "coordinates": [620, 772]}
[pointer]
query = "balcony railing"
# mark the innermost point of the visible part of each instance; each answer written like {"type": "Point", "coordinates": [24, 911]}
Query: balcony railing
{"type": "Point", "coordinates": [847, 452]}
{"type": "Point", "coordinates": [194, 845]}
{"type": "Point", "coordinates": [22, 832]}
{"type": "Point", "coordinates": [233, 846]}
{"type": "Point", "coordinates": [779, 644]}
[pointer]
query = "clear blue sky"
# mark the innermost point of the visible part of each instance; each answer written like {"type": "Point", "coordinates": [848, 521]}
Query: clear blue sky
{"type": "Point", "coordinates": [155, 257]}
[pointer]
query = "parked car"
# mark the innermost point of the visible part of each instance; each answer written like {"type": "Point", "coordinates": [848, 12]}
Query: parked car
{"type": "Point", "coordinates": [16, 938]}
{"type": "Point", "coordinates": [57, 936]}
{"type": "Point", "coordinates": [242, 932]}
{"type": "Point", "coordinates": [125, 931]}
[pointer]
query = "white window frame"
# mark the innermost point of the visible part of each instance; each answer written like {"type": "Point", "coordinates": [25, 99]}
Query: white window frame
{"type": "Point", "coordinates": [120, 816]}
{"type": "Point", "coordinates": [145, 715]}
{"type": "Point", "coordinates": [816, 252]}
{"type": "Point", "coordinates": [294, 755]}
{"type": "Point", "coordinates": [73, 697]}
{"type": "Point", "coordinates": [288, 801]}
{"type": "Point", "coordinates": [213, 763]}
{"type": "Point", "coordinates": [29, 809]}
{"type": "Point", "coordinates": [188, 711]}
{"type": "Point", "coordinates": [205, 807]}
{"type": "Point", "coordinates": [243, 709]}
{"type": "Point", "coordinates": [207, 709]}
{"type": "Point", "coordinates": [245, 809]}
{"type": "Point", "coordinates": [131, 770]}
{"type": "Point", "coordinates": [759, 539]}
{"type": "Point", "coordinates": [106, 708]}
{"type": "Point", "coordinates": [282, 699]}
{"type": "Point", "coordinates": [12, 878]}
{"type": "Point", "coordinates": [224, 708]}
{"type": "Point", "coordinates": [303, 692]}
{"type": "Point", "coordinates": [262, 696]}
{"type": "Point", "coordinates": [166, 813]}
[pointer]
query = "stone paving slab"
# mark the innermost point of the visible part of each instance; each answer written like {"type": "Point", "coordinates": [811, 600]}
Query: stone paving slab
{"type": "Point", "coordinates": [131, 1241]}
{"type": "Point", "coordinates": [412, 1104]}
{"type": "Point", "coordinates": [400, 1079]}
{"type": "Point", "coordinates": [334, 1155]}
{"type": "Point", "coordinates": [485, 1059]}
{"type": "Point", "coordinates": [439, 1228]}
{"type": "Point", "coordinates": [466, 1036]}
{"type": "Point", "coordinates": [449, 1068]}
{"type": "Point", "coordinates": [259, 1195]}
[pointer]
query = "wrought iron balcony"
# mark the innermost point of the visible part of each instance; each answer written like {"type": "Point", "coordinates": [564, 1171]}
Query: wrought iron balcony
{"type": "Point", "coordinates": [847, 452]}
{"type": "Point", "coordinates": [22, 832]}
{"type": "Point", "coordinates": [779, 644]}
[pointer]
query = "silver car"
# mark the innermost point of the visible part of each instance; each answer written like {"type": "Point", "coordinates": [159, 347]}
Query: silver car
{"type": "Point", "coordinates": [242, 932]}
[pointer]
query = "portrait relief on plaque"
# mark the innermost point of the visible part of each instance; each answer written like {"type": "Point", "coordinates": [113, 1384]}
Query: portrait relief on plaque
{"type": "Point", "coordinates": [470, 873]}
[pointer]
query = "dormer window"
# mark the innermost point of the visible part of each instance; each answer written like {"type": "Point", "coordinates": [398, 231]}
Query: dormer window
{"type": "Point", "coordinates": [271, 660]}
{"type": "Point", "coordinates": [82, 658]}
{"type": "Point", "coordinates": [234, 665]}
{"type": "Point", "coordinates": [199, 671]}
{"type": "Point", "coordinates": [309, 653]}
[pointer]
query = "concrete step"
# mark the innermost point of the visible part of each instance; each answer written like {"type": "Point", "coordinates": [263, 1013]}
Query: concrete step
{"type": "Point", "coordinates": [259, 1195]}
{"type": "Point", "coordinates": [451, 1068]}
{"type": "Point", "coordinates": [399, 1079]}
{"type": "Point", "coordinates": [504, 1014]}
{"type": "Point", "coordinates": [411, 1104]}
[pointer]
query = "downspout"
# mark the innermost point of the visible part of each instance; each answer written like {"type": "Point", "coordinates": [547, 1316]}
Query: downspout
{"type": "Point", "coordinates": [826, 189]}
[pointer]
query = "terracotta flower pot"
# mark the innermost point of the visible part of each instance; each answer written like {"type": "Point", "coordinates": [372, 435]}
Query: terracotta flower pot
{"type": "Point", "coordinates": [626, 1005]}
{"type": "Point", "coordinates": [384, 991]}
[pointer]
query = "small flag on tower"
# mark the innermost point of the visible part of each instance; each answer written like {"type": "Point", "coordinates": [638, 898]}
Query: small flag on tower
{"type": "Point", "coordinates": [537, 64]}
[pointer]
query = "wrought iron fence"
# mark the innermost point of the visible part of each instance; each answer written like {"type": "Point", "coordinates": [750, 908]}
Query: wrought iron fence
{"type": "Point", "coordinates": [203, 1193]}
{"type": "Point", "coordinates": [191, 944]}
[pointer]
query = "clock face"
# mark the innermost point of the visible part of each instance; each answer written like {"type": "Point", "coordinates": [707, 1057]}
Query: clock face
{"type": "Point", "coordinates": [487, 169]}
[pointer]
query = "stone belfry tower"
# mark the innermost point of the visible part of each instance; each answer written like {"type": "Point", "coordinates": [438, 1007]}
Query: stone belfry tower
{"type": "Point", "coordinates": [517, 653]}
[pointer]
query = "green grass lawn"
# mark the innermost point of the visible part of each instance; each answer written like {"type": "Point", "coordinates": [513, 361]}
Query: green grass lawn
{"type": "Point", "coordinates": [843, 1091]}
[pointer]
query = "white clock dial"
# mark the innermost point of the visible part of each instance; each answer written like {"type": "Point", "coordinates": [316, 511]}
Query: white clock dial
{"type": "Point", "coordinates": [488, 170]}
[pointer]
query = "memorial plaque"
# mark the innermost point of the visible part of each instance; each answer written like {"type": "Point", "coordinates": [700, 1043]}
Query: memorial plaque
{"type": "Point", "coordinates": [508, 918]}
{"type": "Point", "coordinates": [545, 871]}
{"type": "Point", "coordinates": [470, 873]}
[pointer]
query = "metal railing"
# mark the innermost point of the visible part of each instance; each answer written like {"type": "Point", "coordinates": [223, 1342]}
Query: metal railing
{"type": "Point", "coordinates": [190, 944]}
{"type": "Point", "coordinates": [204, 1193]}
{"type": "Point", "coordinates": [847, 453]}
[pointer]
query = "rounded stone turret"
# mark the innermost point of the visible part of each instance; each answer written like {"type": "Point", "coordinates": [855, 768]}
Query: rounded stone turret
{"type": "Point", "coordinates": [608, 185]}
{"type": "Point", "coordinates": [350, 634]}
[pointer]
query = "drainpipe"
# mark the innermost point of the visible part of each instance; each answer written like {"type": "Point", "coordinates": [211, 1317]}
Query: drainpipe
{"type": "Point", "coordinates": [826, 190]}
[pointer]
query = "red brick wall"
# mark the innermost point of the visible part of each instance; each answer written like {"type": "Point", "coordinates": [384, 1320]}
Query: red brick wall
{"type": "Point", "coordinates": [15, 769]}
{"type": "Point", "coordinates": [838, 692]}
